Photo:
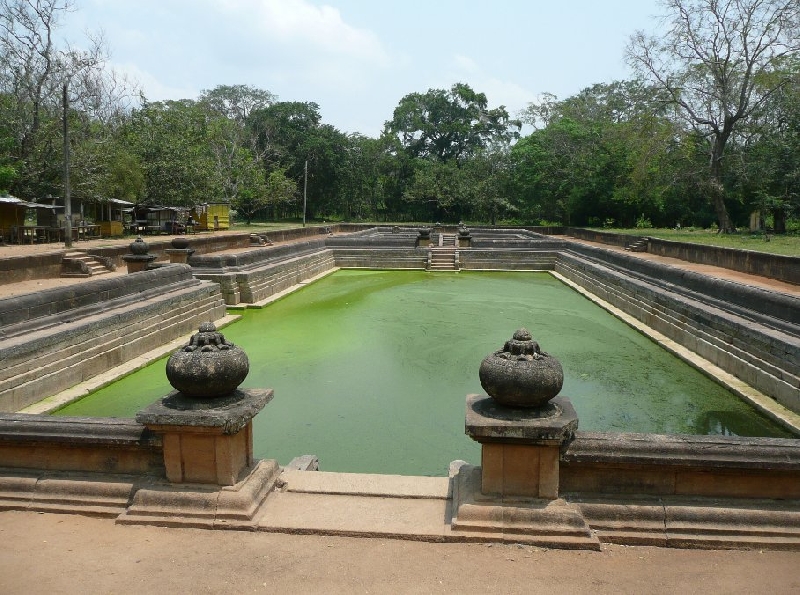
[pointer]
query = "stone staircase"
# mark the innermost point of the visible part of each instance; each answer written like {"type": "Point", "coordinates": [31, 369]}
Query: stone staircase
{"type": "Point", "coordinates": [444, 256]}
{"type": "Point", "coordinates": [637, 245]}
{"type": "Point", "coordinates": [80, 264]}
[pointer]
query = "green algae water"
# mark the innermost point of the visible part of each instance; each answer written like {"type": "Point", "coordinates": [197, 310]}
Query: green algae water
{"type": "Point", "coordinates": [371, 369]}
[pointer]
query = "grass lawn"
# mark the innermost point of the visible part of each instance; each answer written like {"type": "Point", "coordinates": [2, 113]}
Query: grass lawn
{"type": "Point", "coordinates": [786, 244]}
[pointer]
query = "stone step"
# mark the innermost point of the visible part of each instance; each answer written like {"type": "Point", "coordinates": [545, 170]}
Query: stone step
{"type": "Point", "coordinates": [89, 266]}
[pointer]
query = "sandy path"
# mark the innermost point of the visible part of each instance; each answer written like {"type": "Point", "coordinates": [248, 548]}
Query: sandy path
{"type": "Point", "coordinates": [47, 553]}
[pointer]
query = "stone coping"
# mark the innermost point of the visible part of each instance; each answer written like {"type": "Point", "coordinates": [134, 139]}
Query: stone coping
{"type": "Point", "coordinates": [728, 452]}
{"type": "Point", "coordinates": [488, 421]}
{"type": "Point", "coordinates": [230, 413]}
{"type": "Point", "coordinates": [101, 431]}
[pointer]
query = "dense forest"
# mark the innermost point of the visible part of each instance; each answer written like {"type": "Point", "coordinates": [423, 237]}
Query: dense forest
{"type": "Point", "coordinates": [705, 132]}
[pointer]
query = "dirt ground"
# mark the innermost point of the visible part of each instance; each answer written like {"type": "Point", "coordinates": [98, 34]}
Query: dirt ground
{"type": "Point", "coordinates": [48, 553]}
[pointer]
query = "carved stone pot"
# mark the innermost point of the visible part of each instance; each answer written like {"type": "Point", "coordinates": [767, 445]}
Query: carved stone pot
{"type": "Point", "coordinates": [520, 374]}
{"type": "Point", "coordinates": [209, 366]}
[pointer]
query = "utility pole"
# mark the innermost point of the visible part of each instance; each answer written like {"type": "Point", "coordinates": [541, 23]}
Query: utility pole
{"type": "Point", "coordinates": [305, 188]}
{"type": "Point", "coordinates": [67, 198]}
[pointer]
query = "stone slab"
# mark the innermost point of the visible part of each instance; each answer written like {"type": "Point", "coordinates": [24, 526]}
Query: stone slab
{"type": "Point", "coordinates": [365, 516]}
{"type": "Point", "coordinates": [229, 414]}
{"type": "Point", "coordinates": [364, 484]}
{"type": "Point", "coordinates": [488, 421]}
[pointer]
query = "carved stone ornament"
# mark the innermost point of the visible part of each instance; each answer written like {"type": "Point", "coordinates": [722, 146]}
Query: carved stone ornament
{"type": "Point", "coordinates": [520, 374]}
{"type": "Point", "coordinates": [139, 247]}
{"type": "Point", "coordinates": [209, 366]}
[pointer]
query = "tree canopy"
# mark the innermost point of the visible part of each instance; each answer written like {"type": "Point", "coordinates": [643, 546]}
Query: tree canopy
{"type": "Point", "coordinates": [717, 61]}
{"type": "Point", "coordinates": [705, 134]}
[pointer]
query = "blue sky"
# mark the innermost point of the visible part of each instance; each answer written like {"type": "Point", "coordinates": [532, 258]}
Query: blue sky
{"type": "Point", "coordinates": [358, 58]}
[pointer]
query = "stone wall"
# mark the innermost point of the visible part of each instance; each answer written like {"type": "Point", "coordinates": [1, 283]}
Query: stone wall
{"type": "Point", "coordinates": [24, 268]}
{"type": "Point", "coordinates": [60, 337]}
{"type": "Point", "coordinates": [604, 237]}
{"type": "Point", "coordinates": [774, 266]}
{"type": "Point", "coordinates": [745, 331]}
{"type": "Point", "coordinates": [507, 259]}
{"type": "Point", "coordinates": [258, 273]}
{"type": "Point", "coordinates": [89, 445]}
{"type": "Point", "coordinates": [616, 464]}
{"type": "Point", "coordinates": [363, 257]}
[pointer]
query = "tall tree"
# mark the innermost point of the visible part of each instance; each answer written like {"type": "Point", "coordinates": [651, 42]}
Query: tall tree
{"type": "Point", "coordinates": [449, 124]}
{"type": "Point", "coordinates": [716, 61]}
{"type": "Point", "coordinates": [171, 140]}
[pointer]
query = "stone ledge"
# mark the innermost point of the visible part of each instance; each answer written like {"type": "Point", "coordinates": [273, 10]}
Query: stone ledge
{"type": "Point", "coordinates": [230, 413]}
{"type": "Point", "coordinates": [684, 451]}
{"type": "Point", "coordinates": [488, 421]}
{"type": "Point", "coordinates": [15, 427]}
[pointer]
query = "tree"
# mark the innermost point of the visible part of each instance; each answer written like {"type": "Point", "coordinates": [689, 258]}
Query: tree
{"type": "Point", "coordinates": [445, 125]}
{"type": "Point", "coordinates": [33, 71]}
{"type": "Point", "coordinates": [171, 140]}
{"type": "Point", "coordinates": [236, 102]}
{"type": "Point", "coordinates": [768, 170]}
{"type": "Point", "coordinates": [717, 61]}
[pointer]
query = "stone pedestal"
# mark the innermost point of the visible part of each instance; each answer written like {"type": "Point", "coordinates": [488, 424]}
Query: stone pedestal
{"type": "Point", "coordinates": [423, 237]}
{"type": "Point", "coordinates": [178, 255]}
{"type": "Point", "coordinates": [206, 441]}
{"type": "Point", "coordinates": [464, 241]}
{"type": "Point", "coordinates": [513, 495]}
{"type": "Point", "coordinates": [138, 263]}
{"type": "Point", "coordinates": [520, 447]}
{"type": "Point", "coordinates": [138, 259]}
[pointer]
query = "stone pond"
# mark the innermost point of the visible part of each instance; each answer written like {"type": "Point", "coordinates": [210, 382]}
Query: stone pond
{"type": "Point", "coordinates": [370, 369]}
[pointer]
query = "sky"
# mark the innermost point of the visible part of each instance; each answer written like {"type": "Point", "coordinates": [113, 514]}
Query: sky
{"type": "Point", "coordinates": [358, 58]}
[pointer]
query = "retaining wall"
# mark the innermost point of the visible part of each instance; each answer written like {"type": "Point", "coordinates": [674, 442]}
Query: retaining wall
{"type": "Point", "coordinates": [60, 337]}
{"type": "Point", "coordinates": [24, 268]}
{"type": "Point", "coordinates": [747, 332]}
{"type": "Point", "coordinates": [258, 273]}
{"type": "Point", "coordinates": [774, 266]}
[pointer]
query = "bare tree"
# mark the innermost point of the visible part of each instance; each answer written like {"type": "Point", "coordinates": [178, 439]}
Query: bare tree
{"type": "Point", "coordinates": [718, 62]}
{"type": "Point", "coordinates": [34, 67]}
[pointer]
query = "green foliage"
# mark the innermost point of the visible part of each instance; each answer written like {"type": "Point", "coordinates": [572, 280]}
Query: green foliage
{"type": "Point", "coordinates": [7, 175]}
{"type": "Point", "coordinates": [450, 124]}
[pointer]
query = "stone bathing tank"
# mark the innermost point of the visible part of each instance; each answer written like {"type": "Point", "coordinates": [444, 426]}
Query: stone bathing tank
{"type": "Point", "coordinates": [400, 413]}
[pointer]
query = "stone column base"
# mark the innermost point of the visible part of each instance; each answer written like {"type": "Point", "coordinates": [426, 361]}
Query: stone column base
{"type": "Point", "coordinates": [206, 441]}
{"type": "Point", "coordinates": [203, 507]}
{"type": "Point", "coordinates": [540, 522]}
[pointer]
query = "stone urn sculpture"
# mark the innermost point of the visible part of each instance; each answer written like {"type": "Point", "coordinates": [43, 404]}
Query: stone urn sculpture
{"type": "Point", "coordinates": [209, 366]}
{"type": "Point", "coordinates": [138, 259]}
{"type": "Point", "coordinates": [520, 374]}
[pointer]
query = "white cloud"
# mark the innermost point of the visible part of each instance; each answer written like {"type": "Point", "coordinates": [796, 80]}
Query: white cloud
{"type": "Point", "coordinates": [153, 88]}
{"type": "Point", "coordinates": [316, 28]}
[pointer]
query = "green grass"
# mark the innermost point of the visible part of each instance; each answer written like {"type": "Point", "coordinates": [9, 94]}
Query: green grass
{"type": "Point", "coordinates": [786, 244]}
